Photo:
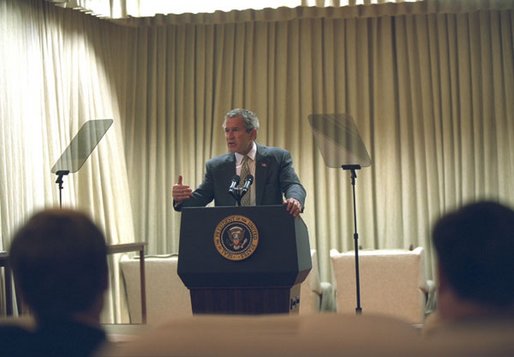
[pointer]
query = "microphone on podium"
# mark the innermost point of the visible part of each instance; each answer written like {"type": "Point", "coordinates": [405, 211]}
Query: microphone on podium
{"type": "Point", "coordinates": [234, 183]}
{"type": "Point", "coordinates": [234, 189]}
{"type": "Point", "coordinates": [247, 184]}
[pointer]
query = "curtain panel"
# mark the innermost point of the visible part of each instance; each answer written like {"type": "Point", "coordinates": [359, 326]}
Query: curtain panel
{"type": "Point", "coordinates": [55, 75]}
{"type": "Point", "coordinates": [431, 95]}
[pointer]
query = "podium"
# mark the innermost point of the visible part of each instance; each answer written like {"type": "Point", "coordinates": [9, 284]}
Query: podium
{"type": "Point", "coordinates": [243, 260]}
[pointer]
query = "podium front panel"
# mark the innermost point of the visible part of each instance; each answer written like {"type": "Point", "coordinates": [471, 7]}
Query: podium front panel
{"type": "Point", "coordinates": [281, 257]}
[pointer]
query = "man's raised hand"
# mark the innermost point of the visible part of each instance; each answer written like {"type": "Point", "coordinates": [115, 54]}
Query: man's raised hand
{"type": "Point", "coordinates": [180, 191]}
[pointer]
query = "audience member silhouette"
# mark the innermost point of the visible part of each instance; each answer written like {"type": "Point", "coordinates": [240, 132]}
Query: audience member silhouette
{"type": "Point", "coordinates": [59, 261]}
{"type": "Point", "coordinates": [475, 247]}
{"type": "Point", "coordinates": [475, 282]}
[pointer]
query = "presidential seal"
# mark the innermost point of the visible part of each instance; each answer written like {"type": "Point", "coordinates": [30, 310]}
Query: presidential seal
{"type": "Point", "coordinates": [236, 237]}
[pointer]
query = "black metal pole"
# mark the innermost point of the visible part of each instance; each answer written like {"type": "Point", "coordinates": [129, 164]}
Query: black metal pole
{"type": "Point", "coordinates": [352, 168]}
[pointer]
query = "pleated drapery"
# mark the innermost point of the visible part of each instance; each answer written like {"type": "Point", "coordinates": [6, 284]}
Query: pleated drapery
{"type": "Point", "coordinates": [430, 93]}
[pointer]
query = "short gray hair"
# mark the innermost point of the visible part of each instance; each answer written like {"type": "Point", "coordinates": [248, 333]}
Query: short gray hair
{"type": "Point", "coordinates": [250, 118]}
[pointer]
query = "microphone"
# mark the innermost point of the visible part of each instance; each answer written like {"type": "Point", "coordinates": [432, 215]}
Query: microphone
{"type": "Point", "coordinates": [247, 184]}
{"type": "Point", "coordinates": [234, 183]}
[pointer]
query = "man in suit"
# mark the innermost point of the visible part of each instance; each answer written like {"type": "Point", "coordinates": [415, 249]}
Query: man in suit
{"type": "Point", "coordinates": [271, 167]}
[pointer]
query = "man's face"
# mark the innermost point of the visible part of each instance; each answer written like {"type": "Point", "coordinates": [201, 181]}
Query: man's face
{"type": "Point", "coordinates": [238, 138]}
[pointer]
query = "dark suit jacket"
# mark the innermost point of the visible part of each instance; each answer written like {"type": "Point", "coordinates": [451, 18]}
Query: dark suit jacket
{"type": "Point", "coordinates": [274, 178]}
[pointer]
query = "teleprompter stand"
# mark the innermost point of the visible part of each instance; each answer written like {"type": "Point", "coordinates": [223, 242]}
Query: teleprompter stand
{"type": "Point", "coordinates": [79, 149]}
{"type": "Point", "coordinates": [341, 146]}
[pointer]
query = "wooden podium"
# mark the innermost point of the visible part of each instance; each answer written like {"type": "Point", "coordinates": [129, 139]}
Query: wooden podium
{"type": "Point", "coordinates": [243, 260]}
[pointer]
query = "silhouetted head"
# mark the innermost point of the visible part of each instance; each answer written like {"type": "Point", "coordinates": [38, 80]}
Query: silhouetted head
{"type": "Point", "coordinates": [475, 250]}
{"type": "Point", "coordinates": [59, 260]}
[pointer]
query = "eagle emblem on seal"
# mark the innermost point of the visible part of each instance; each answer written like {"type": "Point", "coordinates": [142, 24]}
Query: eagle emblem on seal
{"type": "Point", "coordinates": [236, 237]}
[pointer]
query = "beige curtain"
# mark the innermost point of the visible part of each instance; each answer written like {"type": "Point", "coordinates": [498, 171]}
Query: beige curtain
{"type": "Point", "coordinates": [54, 77]}
{"type": "Point", "coordinates": [430, 92]}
